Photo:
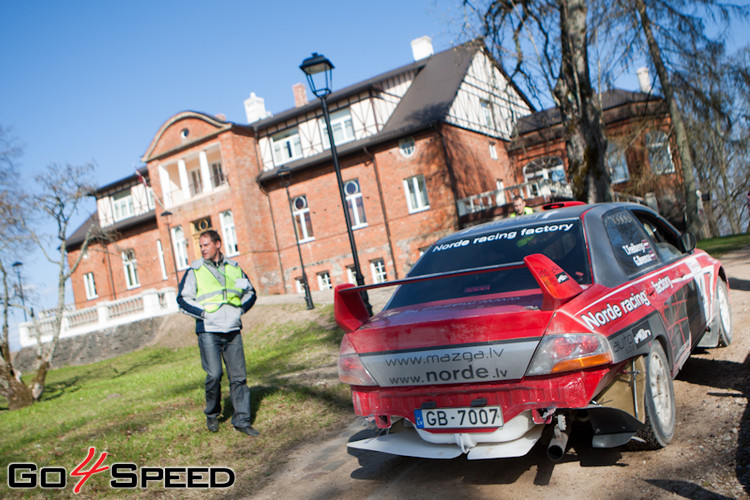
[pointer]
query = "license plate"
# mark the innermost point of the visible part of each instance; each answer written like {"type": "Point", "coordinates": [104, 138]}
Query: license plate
{"type": "Point", "coordinates": [459, 418]}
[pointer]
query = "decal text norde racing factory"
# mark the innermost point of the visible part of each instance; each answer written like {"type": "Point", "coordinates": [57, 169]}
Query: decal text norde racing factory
{"type": "Point", "coordinates": [451, 365]}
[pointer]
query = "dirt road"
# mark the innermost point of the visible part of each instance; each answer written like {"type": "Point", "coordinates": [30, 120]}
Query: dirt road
{"type": "Point", "coordinates": [708, 458]}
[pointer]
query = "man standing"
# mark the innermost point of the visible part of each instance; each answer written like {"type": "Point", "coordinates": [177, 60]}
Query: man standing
{"type": "Point", "coordinates": [216, 293]}
{"type": "Point", "coordinates": [520, 208]}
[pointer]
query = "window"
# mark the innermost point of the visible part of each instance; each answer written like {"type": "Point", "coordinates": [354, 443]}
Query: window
{"type": "Point", "coordinates": [487, 119]}
{"type": "Point", "coordinates": [493, 151]}
{"type": "Point", "coordinates": [300, 285]}
{"type": "Point", "coordinates": [217, 174]}
{"type": "Point", "coordinates": [631, 244]}
{"type": "Point", "coordinates": [416, 194]}
{"type": "Point", "coordinates": [131, 269]}
{"type": "Point", "coordinates": [180, 247]}
{"type": "Point", "coordinates": [196, 183]}
{"type": "Point", "coordinates": [616, 163]}
{"type": "Point", "coordinates": [351, 275]}
{"type": "Point", "coordinates": [150, 198]}
{"type": "Point", "coordinates": [355, 204]}
{"type": "Point", "coordinates": [659, 154]}
{"type": "Point", "coordinates": [229, 233]}
{"type": "Point", "coordinates": [666, 241]}
{"type": "Point", "coordinates": [377, 268]}
{"type": "Point", "coordinates": [324, 281]}
{"type": "Point", "coordinates": [90, 286]}
{"type": "Point", "coordinates": [302, 222]}
{"type": "Point", "coordinates": [341, 124]}
{"type": "Point", "coordinates": [162, 265]}
{"type": "Point", "coordinates": [406, 147]}
{"type": "Point", "coordinates": [565, 246]}
{"type": "Point", "coordinates": [122, 204]}
{"type": "Point", "coordinates": [543, 170]}
{"type": "Point", "coordinates": [286, 147]}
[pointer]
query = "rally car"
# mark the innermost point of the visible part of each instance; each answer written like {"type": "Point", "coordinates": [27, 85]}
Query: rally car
{"type": "Point", "coordinates": [578, 313]}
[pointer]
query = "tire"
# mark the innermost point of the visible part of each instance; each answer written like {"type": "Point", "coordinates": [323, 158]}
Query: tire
{"type": "Point", "coordinates": [723, 314]}
{"type": "Point", "coordinates": [661, 414]}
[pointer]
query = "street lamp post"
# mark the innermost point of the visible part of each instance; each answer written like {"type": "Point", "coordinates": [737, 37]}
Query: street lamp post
{"type": "Point", "coordinates": [17, 266]}
{"type": "Point", "coordinates": [167, 216]}
{"type": "Point", "coordinates": [285, 174]}
{"type": "Point", "coordinates": [318, 67]}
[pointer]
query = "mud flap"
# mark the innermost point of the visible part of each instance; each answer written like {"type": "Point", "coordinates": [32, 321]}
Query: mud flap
{"type": "Point", "coordinates": [612, 427]}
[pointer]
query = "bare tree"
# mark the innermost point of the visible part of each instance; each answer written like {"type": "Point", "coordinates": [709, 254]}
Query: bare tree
{"type": "Point", "coordinates": [550, 37]}
{"type": "Point", "coordinates": [62, 189]}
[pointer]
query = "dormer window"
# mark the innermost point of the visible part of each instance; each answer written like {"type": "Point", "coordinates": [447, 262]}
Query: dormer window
{"type": "Point", "coordinates": [286, 146]}
{"type": "Point", "coordinates": [122, 205]}
{"type": "Point", "coordinates": [341, 124]}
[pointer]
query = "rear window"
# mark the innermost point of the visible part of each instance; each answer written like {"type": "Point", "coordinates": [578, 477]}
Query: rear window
{"type": "Point", "coordinates": [561, 241]}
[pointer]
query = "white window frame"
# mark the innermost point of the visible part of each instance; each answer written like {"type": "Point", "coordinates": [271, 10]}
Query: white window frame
{"type": "Point", "coordinates": [324, 281]}
{"type": "Point", "coordinates": [302, 219]}
{"type": "Point", "coordinates": [493, 150]}
{"type": "Point", "coordinates": [616, 163]}
{"type": "Point", "coordinates": [659, 151]}
{"type": "Point", "coordinates": [355, 203]}
{"type": "Point", "coordinates": [217, 174]}
{"type": "Point", "coordinates": [415, 190]}
{"type": "Point", "coordinates": [299, 285]}
{"type": "Point", "coordinates": [378, 271]}
{"type": "Point", "coordinates": [89, 285]}
{"type": "Point", "coordinates": [350, 275]}
{"type": "Point", "coordinates": [286, 146]}
{"type": "Point", "coordinates": [229, 232]}
{"type": "Point", "coordinates": [488, 118]}
{"type": "Point", "coordinates": [162, 264]}
{"type": "Point", "coordinates": [180, 243]}
{"type": "Point", "coordinates": [342, 126]}
{"type": "Point", "coordinates": [122, 205]}
{"type": "Point", "coordinates": [196, 182]}
{"type": "Point", "coordinates": [130, 268]}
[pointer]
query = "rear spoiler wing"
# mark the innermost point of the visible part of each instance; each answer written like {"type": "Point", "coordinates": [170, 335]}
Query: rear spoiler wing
{"type": "Point", "coordinates": [557, 288]}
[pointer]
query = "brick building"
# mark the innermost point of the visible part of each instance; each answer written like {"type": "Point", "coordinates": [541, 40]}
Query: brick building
{"type": "Point", "coordinates": [425, 149]}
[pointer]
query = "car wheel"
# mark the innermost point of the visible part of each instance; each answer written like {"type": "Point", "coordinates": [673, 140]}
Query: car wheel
{"type": "Point", "coordinates": [660, 405]}
{"type": "Point", "coordinates": [723, 315]}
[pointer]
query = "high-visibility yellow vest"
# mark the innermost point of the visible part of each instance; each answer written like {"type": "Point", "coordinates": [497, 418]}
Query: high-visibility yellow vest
{"type": "Point", "coordinates": [211, 293]}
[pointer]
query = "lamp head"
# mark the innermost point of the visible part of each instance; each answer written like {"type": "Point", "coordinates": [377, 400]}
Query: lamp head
{"type": "Point", "coordinates": [318, 69]}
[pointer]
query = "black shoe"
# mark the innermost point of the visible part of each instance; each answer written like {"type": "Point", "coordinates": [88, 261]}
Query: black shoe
{"type": "Point", "coordinates": [213, 424]}
{"type": "Point", "coordinates": [249, 430]}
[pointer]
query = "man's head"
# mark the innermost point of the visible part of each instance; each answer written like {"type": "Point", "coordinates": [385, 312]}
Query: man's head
{"type": "Point", "coordinates": [519, 204]}
{"type": "Point", "coordinates": [210, 244]}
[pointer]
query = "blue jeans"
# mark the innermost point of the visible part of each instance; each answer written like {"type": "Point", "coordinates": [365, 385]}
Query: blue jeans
{"type": "Point", "coordinates": [214, 347]}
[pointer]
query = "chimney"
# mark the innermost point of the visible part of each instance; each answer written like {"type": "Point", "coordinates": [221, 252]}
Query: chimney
{"type": "Point", "coordinates": [222, 117]}
{"type": "Point", "coordinates": [421, 47]}
{"type": "Point", "coordinates": [644, 80]}
{"type": "Point", "coordinates": [255, 108]}
{"type": "Point", "coordinates": [300, 94]}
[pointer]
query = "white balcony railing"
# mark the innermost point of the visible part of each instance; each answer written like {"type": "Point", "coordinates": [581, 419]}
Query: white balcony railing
{"type": "Point", "coordinates": [105, 314]}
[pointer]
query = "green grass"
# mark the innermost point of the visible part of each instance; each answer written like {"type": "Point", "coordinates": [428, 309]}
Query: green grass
{"type": "Point", "coordinates": [146, 407]}
{"type": "Point", "coordinates": [724, 244]}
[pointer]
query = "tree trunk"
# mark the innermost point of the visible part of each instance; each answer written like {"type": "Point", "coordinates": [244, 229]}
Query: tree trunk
{"type": "Point", "coordinates": [585, 143]}
{"type": "Point", "coordinates": [692, 218]}
{"type": "Point", "coordinates": [15, 391]}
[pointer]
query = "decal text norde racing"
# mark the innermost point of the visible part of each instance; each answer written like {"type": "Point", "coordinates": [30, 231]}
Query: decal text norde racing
{"type": "Point", "coordinates": [451, 365]}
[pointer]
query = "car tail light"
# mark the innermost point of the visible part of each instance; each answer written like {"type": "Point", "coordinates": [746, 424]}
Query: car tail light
{"type": "Point", "coordinates": [571, 351]}
{"type": "Point", "coordinates": [351, 369]}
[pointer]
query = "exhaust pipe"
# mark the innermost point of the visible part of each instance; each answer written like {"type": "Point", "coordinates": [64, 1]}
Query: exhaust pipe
{"type": "Point", "coordinates": [556, 447]}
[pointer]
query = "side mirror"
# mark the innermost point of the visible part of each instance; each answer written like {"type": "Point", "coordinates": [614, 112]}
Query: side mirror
{"type": "Point", "coordinates": [688, 242]}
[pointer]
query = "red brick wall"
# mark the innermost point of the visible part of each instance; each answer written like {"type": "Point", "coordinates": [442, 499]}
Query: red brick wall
{"type": "Point", "coordinates": [100, 259]}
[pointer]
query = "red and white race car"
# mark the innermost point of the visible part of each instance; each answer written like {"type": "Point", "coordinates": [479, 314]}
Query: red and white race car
{"type": "Point", "coordinates": [580, 313]}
